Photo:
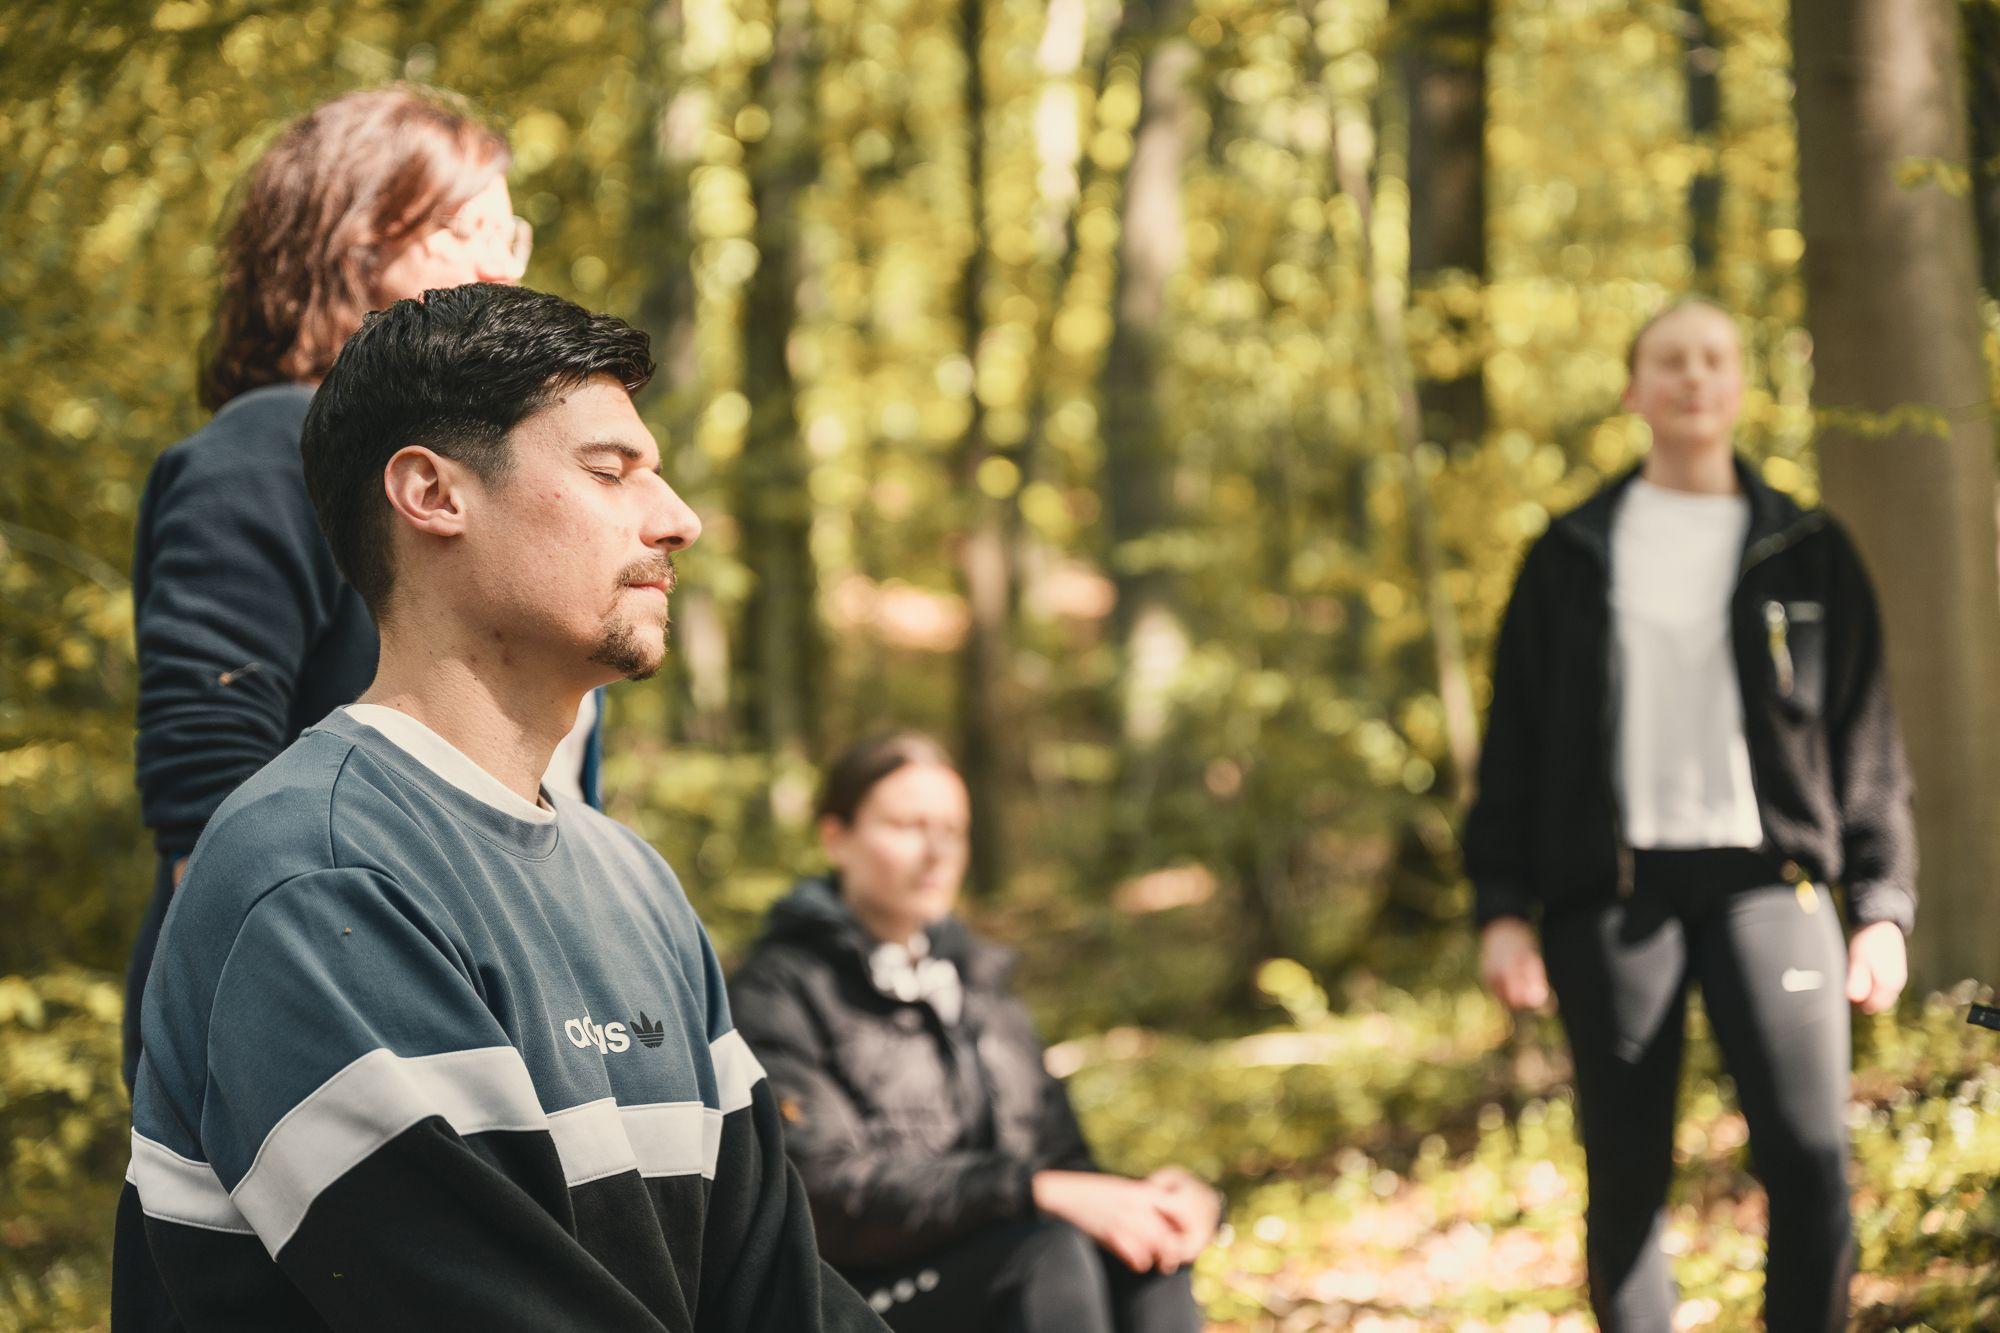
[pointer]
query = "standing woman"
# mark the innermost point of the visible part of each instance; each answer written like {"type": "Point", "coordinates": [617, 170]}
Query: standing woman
{"type": "Point", "coordinates": [1691, 739]}
{"type": "Point", "coordinates": [246, 632]}
{"type": "Point", "coordinates": [947, 1176]}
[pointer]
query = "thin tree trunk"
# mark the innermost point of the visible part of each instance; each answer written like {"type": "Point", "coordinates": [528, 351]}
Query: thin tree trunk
{"type": "Point", "coordinates": [670, 143]}
{"type": "Point", "coordinates": [985, 570]}
{"type": "Point", "coordinates": [1982, 96]}
{"type": "Point", "coordinates": [1265, 933]}
{"type": "Point", "coordinates": [1702, 61]}
{"type": "Point", "coordinates": [1908, 464]}
{"type": "Point", "coordinates": [1138, 468]}
{"type": "Point", "coordinates": [782, 651]}
{"type": "Point", "coordinates": [1444, 80]}
{"type": "Point", "coordinates": [1454, 680]}
{"type": "Point", "coordinates": [1445, 75]}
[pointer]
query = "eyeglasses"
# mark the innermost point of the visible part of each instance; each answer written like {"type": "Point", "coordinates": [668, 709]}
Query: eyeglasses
{"type": "Point", "coordinates": [519, 231]}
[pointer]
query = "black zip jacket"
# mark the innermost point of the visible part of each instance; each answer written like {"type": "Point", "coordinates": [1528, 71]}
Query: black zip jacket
{"type": "Point", "coordinates": [908, 1132]}
{"type": "Point", "coordinates": [1832, 786]}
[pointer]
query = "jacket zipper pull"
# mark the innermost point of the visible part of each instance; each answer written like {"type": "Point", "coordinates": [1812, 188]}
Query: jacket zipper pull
{"type": "Point", "coordinates": [1781, 652]}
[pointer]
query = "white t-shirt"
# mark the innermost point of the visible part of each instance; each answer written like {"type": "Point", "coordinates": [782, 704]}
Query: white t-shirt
{"type": "Point", "coordinates": [1683, 764]}
{"type": "Point", "coordinates": [565, 775]}
{"type": "Point", "coordinates": [449, 762]}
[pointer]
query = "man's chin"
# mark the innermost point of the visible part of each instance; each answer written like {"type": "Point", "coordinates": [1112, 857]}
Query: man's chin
{"type": "Point", "coordinates": [631, 652]}
{"type": "Point", "coordinates": [647, 667]}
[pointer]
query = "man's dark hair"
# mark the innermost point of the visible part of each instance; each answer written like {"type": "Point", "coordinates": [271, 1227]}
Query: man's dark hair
{"type": "Point", "coordinates": [453, 372]}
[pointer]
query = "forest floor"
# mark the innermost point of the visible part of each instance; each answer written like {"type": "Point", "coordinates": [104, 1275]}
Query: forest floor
{"type": "Point", "coordinates": [1409, 1162]}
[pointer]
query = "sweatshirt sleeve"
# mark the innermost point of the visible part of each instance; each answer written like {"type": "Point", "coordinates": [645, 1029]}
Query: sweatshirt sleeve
{"type": "Point", "coordinates": [1871, 777]}
{"type": "Point", "coordinates": [365, 1122]}
{"type": "Point", "coordinates": [761, 1263]}
{"type": "Point", "coordinates": [873, 1207]}
{"type": "Point", "coordinates": [1498, 828]}
{"type": "Point", "coordinates": [232, 587]}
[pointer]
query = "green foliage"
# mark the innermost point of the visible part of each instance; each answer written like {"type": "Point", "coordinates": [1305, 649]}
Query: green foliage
{"type": "Point", "coordinates": [1301, 707]}
{"type": "Point", "coordinates": [63, 1147]}
{"type": "Point", "coordinates": [941, 339]}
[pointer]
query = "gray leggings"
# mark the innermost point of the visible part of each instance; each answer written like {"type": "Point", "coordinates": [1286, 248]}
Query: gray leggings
{"type": "Point", "coordinates": [1771, 964]}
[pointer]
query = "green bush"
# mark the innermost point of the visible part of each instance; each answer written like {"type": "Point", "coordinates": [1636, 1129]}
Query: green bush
{"type": "Point", "coordinates": [63, 1147]}
{"type": "Point", "coordinates": [1416, 1158]}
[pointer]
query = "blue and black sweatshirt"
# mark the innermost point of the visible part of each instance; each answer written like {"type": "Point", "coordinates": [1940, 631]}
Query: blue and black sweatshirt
{"type": "Point", "coordinates": [419, 1058]}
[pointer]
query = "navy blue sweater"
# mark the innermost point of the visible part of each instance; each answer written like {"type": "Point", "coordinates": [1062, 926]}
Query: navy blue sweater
{"type": "Point", "coordinates": [247, 634]}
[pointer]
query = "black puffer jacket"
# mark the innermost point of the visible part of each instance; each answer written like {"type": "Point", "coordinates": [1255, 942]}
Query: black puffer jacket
{"type": "Point", "coordinates": [1826, 758]}
{"type": "Point", "coordinates": [909, 1132]}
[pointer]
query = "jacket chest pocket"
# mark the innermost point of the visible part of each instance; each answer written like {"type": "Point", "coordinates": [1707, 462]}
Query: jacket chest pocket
{"type": "Point", "coordinates": [1794, 636]}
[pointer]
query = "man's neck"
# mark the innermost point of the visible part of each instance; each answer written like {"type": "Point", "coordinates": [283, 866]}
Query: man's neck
{"type": "Point", "coordinates": [1706, 468]}
{"type": "Point", "coordinates": [504, 720]}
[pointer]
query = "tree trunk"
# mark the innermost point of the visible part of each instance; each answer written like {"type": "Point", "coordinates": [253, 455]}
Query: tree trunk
{"type": "Point", "coordinates": [782, 652]}
{"type": "Point", "coordinates": [1137, 480]}
{"type": "Point", "coordinates": [1982, 96]}
{"type": "Point", "coordinates": [985, 571]}
{"type": "Point", "coordinates": [1907, 462]}
{"type": "Point", "coordinates": [670, 141]}
{"type": "Point", "coordinates": [1445, 76]}
{"type": "Point", "coordinates": [1701, 60]}
{"type": "Point", "coordinates": [1454, 680]}
{"type": "Point", "coordinates": [1445, 84]}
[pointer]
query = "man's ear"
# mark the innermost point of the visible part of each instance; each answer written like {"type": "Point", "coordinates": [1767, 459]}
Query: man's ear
{"type": "Point", "coordinates": [427, 491]}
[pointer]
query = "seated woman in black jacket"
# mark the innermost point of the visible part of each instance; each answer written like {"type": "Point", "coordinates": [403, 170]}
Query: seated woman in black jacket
{"type": "Point", "coordinates": [947, 1175]}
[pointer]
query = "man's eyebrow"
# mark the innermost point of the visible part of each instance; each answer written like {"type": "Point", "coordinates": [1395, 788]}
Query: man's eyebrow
{"type": "Point", "coordinates": [625, 451]}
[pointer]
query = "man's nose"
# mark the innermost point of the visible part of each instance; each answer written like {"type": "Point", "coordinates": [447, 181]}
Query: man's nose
{"type": "Point", "coordinates": [674, 526]}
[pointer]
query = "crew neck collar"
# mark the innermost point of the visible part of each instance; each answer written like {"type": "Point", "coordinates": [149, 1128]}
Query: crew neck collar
{"type": "Point", "coordinates": [1652, 490]}
{"type": "Point", "coordinates": [450, 763]}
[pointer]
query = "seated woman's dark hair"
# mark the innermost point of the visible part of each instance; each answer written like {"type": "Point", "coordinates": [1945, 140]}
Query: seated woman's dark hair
{"type": "Point", "coordinates": [862, 765]}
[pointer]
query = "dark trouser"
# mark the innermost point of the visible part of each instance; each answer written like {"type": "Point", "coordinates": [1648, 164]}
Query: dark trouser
{"type": "Point", "coordinates": [1773, 972]}
{"type": "Point", "coordinates": [1042, 1276]}
{"type": "Point", "coordinates": [142, 963]}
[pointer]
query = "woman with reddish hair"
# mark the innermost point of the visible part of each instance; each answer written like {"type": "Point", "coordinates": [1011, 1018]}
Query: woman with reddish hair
{"type": "Point", "coordinates": [246, 632]}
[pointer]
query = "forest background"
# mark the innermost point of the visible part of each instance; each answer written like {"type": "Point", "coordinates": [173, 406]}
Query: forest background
{"type": "Point", "coordinates": [1153, 398]}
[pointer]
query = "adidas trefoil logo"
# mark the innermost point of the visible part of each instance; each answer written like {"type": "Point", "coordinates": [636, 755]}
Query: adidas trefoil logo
{"type": "Point", "coordinates": [649, 1031]}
